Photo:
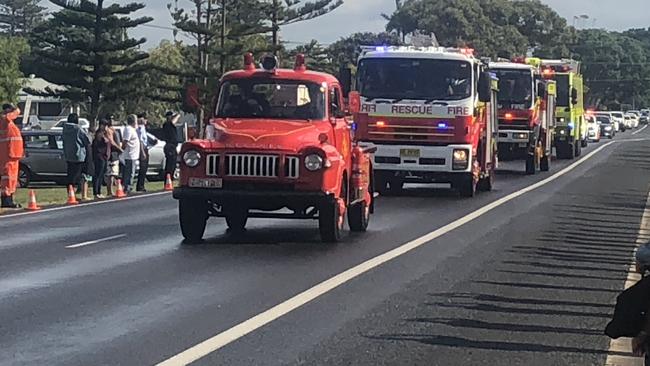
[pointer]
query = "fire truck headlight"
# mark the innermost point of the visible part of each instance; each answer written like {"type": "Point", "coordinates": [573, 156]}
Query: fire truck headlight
{"type": "Point", "coordinates": [313, 162]}
{"type": "Point", "coordinates": [562, 132]}
{"type": "Point", "coordinates": [192, 158]}
{"type": "Point", "coordinates": [461, 159]}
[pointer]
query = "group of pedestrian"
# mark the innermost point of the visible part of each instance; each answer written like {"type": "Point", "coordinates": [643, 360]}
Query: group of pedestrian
{"type": "Point", "coordinates": [113, 154]}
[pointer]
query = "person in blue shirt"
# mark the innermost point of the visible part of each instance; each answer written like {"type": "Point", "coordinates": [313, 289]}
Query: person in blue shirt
{"type": "Point", "coordinates": [75, 149]}
{"type": "Point", "coordinates": [144, 151]}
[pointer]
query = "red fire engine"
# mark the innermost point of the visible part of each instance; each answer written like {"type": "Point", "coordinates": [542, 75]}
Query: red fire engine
{"type": "Point", "coordinates": [526, 113]}
{"type": "Point", "coordinates": [430, 113]}
{"type": "Point", "coordinates": [279, 139]}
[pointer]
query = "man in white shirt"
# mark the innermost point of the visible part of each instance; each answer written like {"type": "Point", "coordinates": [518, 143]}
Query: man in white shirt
{"type": "Point", "coordinates": [131, 146]}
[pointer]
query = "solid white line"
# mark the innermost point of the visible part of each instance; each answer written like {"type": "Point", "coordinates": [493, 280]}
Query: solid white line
{"type": "Point", "coordinates": [116, 200]}
{"type": "Point", "coordinates": [86, 243]}
{"type": "Point", "coordinates": [222, 339]}
{"type": "Point", "coordinates": [625, 344]}
{"type": "Point", "coordinates": [642, 128]}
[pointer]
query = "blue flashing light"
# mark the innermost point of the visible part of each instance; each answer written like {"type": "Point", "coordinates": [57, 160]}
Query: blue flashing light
{"type": "Point", "coordinates": [380, 49]}
{"type": "Point", "coordinates": [571, 125]}
{"type": "Point", "coordinates": [443, 125]}
{"type": "Point", "coordinates": [354, 126]}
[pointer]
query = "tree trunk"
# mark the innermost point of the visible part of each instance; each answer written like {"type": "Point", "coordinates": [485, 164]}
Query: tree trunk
{"type": "Point", "coordinates": [274, 21]}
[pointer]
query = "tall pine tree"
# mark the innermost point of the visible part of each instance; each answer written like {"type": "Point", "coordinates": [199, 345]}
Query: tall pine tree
{"type": "Point", "coordinates": [20, 17]}
{"type": "Point", "coordinates": [85, 47]}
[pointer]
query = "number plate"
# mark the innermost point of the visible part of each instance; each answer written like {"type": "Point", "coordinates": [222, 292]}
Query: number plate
{"type": "Point", "coordinates": [523, 144]}
{"type": "Point", "coordinates": [409, 153]}
{"type": "Point", "coordinates": [206, 182]}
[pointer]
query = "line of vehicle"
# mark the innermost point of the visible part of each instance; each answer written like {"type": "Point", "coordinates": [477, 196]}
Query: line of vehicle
{"type": "Point", "coordinates": [240, 330]}
{"type": "Point", "coordinates": [97, 241]}
{"type": "Point", "coordinates": [147, 195]}
{"type": "Point", "coordinates": [624, 344]}
{"type": "Point", "coordinates": [638, 131]}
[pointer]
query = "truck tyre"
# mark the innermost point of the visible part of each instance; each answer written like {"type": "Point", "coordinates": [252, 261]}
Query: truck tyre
{"type": "Point", "coordinates": [545, 163]}
{"type": "Point", "coordinates": [578, 146]}
{"type": "Point", "coordinates": [486, 184]}
{"type": "Point", "coordinates": [466, 186]}
{"type": "Point", "coordinates": [236, 220]}
{"type": "Point", "coordinates": [585, 143]}
{"type": "Point", "coordinates": [359, 217]}
{"type": "Point", "coordinates": [193, 214]}
{"type": "Point", "coordinates": [330, 222]}
{"type": "Point", "coordinates": [571, 151]}
{"type": "Point", "coordinates": [531, 164]}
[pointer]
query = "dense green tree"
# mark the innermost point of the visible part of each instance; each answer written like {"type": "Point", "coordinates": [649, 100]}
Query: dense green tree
{"type": "Point", "coordinates": [11, 79]}
{"type": "Point", "coordinates": [347, 50]}
{"type": "Point", "coordinates": [316, 56]}
{"type": "Point", "coordinates": [85, 48]}
{"type": "Point", "coordinates": [20, 17]}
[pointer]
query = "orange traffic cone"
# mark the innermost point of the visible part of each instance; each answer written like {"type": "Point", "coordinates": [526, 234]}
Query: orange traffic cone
{"type": "Point", "coordinates": [72, 198]}
{"type": "Point", "coordinates": [169, 186]}
{"type": "Point", "coordinates": [32, 205]}
{"type": "Point", "coordinates": [120, 190]}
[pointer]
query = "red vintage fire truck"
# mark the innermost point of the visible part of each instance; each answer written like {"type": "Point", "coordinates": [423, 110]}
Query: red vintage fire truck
{"type": "Point", "coordinates": [526, 113]}
{"type": "Point", "coordinates": [430, 113]}
{"type": "Point", "coordinates": [278, 146]}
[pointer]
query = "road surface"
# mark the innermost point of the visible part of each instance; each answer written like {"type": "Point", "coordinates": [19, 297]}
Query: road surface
{"type": "Point", "coordinates": [531, 280]}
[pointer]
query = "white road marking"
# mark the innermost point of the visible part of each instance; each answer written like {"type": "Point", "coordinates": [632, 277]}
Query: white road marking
{"type": "Point", "coordinates": [83, 205]}
{"type": "Point", "coordinates": [625, 344]}
{"type": "Point", "coordinates": [642, 128]}
{"type": "Point", "coordinates": [91, 242]}
{"type": "Point", "coordinates": [222, 339]}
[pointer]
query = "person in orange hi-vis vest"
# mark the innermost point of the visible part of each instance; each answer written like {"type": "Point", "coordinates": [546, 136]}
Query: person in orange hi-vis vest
{"type": "Point", "coordinates": [11, 151]}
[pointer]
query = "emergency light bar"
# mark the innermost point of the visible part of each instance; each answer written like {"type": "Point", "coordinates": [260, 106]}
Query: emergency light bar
{"type": "Point", "coordinates": [381, 49]}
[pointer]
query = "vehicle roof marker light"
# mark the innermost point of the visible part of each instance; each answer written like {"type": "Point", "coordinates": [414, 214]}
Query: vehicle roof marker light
{"type": "Point", "coordinates": [509, 116]}
{"type": "Point", "coordinates": [380, 124]}
{"type": "Point", "coordinates": [300, 65]}
{"type": "Point", "coordinates": [443, 125]}
{"type": "Point", "coordinates": [249, 62]}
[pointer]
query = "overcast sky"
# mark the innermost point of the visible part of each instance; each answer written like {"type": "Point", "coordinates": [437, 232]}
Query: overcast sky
{"type": "Point", "coordinates": [365, 15]}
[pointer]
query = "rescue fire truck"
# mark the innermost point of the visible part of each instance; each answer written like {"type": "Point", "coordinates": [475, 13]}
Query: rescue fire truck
{"type": "Point", "coordinates": [278, 146]}
{"type": "Point", "coordinates": [571, 126]}
{"type": "Point", "coordinates": [430, 113]}
{"type": "Point", "coordinates": [526, 113]}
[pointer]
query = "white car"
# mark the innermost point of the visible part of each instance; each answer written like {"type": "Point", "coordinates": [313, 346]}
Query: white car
{"type": "Point", "coordinates": [609, 115]}
{"type": "Point", "coordinates": [593, 129]}
{"type": "Point", "coordinates": [634, 119]}
{"type": "Point", "coordinates": [619, 118]}
{"type": "Point", "coordinates": [84, 123]}
{"type": "Point", "coordinates": [156, 156]}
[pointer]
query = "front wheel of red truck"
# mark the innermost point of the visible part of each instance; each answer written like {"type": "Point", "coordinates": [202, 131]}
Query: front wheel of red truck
{"type": "Point", "coordinates": [193, 215]}
{"type": "Point", "coordinates": [236, 220]}
{"type": "Point", "coordinates": [359, 217]}
{"type": "Point", "coordinates": [330, 222]}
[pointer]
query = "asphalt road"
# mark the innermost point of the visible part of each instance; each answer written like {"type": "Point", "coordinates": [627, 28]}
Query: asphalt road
{"type": "Point", "coordinates": [531, 282]}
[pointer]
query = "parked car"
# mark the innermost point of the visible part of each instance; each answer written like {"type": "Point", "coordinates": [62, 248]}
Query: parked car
{"type": "Point", "coordinates": [84, 123]}
{"type": "Point", "coordinates": [634, 119]}
{"type": "Point", "coordinates": [619, 118]}
{"type": "Point", "coordinates": [593, 128]}
{"type": "Point", "coordinates": [645, 116]}
{"type": "Point", "coordinates": [44, 160]}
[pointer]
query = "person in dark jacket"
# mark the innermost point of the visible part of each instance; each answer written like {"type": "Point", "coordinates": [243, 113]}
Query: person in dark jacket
{"type": "Point", "coordinates": [101, 156]}
{"type": "Point", "coordinates": [170, 136]}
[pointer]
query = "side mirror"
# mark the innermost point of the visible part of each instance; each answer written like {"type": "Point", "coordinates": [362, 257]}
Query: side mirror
{"type": "Point", "coordinates": [574, 96]}
{"type": "Point", "coordinates": [354, 99]}
{"type": "Point", "coordinates": [485, 87]}
{"type": "Point", "coordinates": [345, 78]}
{"type": "Point", "coordinates": [541, 90]}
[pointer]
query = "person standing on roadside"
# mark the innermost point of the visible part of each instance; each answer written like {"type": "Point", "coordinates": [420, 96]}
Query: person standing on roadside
{"type": "Point", "coordinates": [75, 143]}
{"type": "Point", "coordinates": [131, 154]}
{"type": "Point", "coordinates": [11, 151]}
{"type": "Point", "coordinates": [170, 136]}
{"type": "Point", "coordinates": [144, 152]}
{"type": "Point", "coordinates": [113, 164]}
{"type": "Point", "coordinates": [101, 155]}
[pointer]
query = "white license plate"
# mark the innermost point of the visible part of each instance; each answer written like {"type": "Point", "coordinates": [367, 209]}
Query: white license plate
{"type": "Point", "coordinates": [206, 182]}
{"type": "Point", "coordinates": [409, 153]}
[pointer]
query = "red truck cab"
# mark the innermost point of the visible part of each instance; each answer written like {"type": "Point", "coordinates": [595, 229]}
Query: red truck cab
{"type": "Point", "coordinates": [279, 139]}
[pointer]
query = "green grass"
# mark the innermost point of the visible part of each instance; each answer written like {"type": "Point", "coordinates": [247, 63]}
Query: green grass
{"type": "Point", "coordinates": [49, 196]}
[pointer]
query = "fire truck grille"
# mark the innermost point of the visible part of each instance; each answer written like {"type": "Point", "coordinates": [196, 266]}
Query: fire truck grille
{"type": "Point", "coordinates": [263, 166]}
{"type": "Point", "coordinates": [212, 165]}
{"type": "Point", "coordinates": [514, 125]}
{"type": "Point", "coordinates": [292, 167]}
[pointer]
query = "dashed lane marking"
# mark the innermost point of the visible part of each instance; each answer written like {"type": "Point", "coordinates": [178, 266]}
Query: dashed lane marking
{"type": "Point", "coordinates": [92, 242]}
{"type": "Point", "coordinates": [240, 330]}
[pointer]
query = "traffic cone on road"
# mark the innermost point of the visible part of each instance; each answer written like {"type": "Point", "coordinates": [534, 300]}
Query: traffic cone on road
{"type": "Point", "coordinates": [32, 205]}
{"type": "Point", "coordinates": [169, 186]}
{"type": "Point", "coordinates": [72, 198]}
{"type": "Point", "coordinates": [120, 190]}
